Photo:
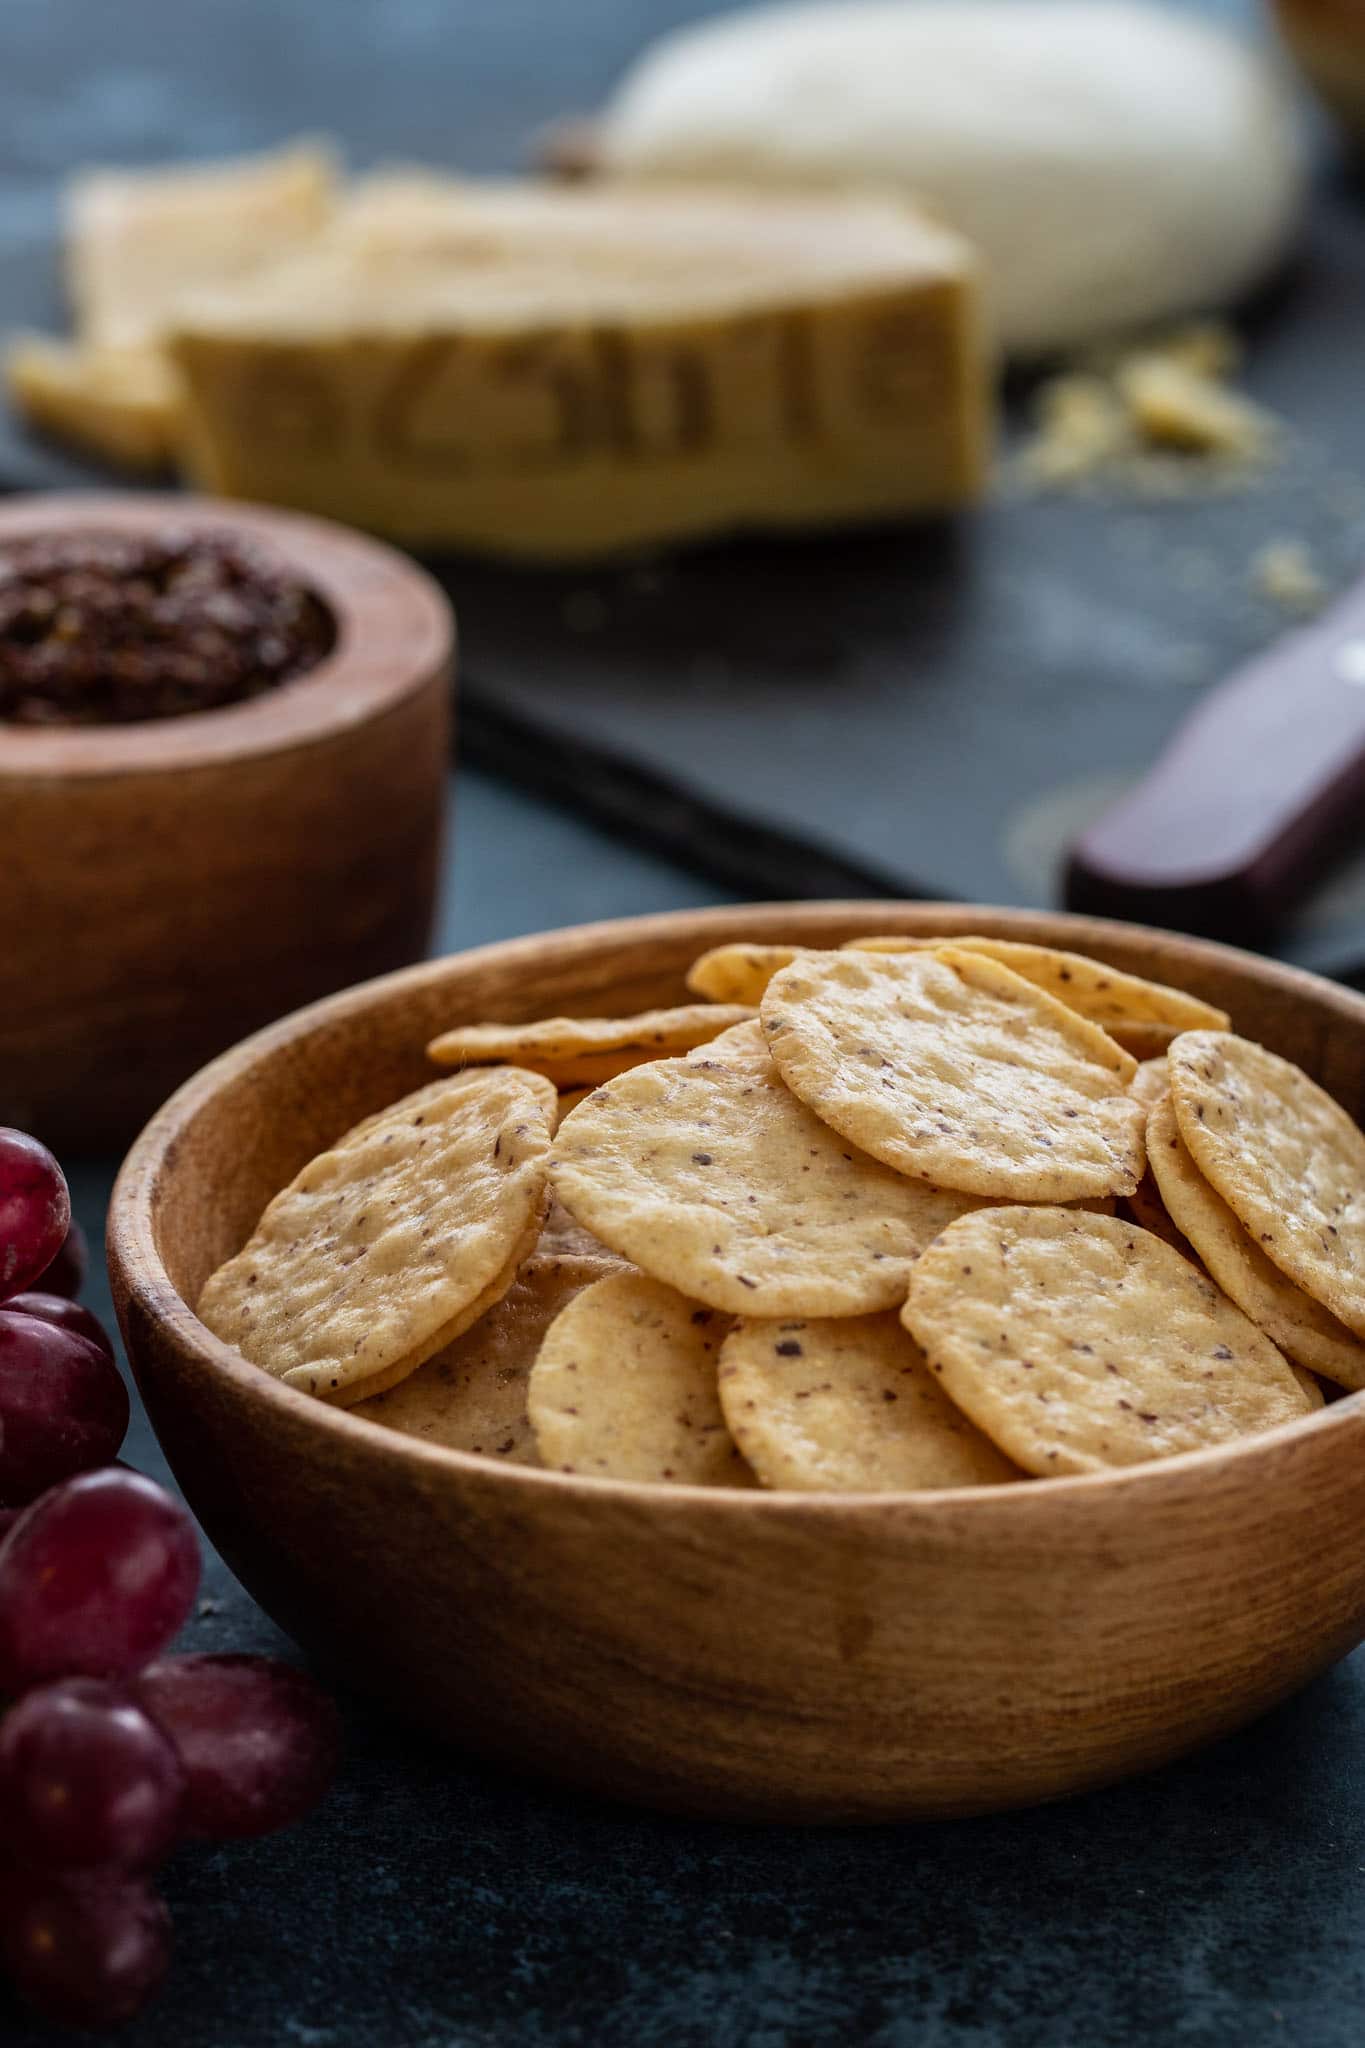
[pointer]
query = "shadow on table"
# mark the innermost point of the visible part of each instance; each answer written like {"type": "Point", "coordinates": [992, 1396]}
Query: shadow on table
{"type": "Point", "coordinates": [434, 1901]}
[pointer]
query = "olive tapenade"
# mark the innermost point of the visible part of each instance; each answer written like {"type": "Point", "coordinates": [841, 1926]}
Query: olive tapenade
{"type": "Point", "coordinates": [110, 628]}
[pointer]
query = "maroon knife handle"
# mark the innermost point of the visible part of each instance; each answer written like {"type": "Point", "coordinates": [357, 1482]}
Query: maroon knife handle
{"type": "Point", "coordinates": [1254, 796]}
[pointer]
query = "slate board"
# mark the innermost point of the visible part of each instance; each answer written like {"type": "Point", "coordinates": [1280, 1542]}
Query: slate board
{"type": "Point", "coordinates": [927, 710]}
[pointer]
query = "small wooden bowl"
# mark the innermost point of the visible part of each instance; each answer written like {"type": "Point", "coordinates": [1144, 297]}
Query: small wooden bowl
{"type": "Point", "coordinates": [1327, 38]}
{"type": "Point", "coordinates": [169, 886]}
{"type": "Point", "coordinates": [779, 1656]}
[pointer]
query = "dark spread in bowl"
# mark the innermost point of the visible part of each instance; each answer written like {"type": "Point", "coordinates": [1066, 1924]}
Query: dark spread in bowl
{"type": "Point", "coordinates": [101, 628]}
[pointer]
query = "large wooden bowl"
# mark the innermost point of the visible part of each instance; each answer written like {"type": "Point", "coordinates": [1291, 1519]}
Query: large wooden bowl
{"type": "Point", "coordinates": [763, 1654]}
{"type": "Point", "coordinates": [169, 886]}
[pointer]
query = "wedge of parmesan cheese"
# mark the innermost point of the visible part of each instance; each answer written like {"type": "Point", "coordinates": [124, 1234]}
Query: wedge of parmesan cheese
{"type": "Point", "coordinates": [118, 404]}
{"type": "Point", "coordinates": [559, 372]}
{"type": "Point", "coordinates": [137, 241]}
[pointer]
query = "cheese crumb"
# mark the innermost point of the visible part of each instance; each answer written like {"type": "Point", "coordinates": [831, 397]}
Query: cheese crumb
{"type": "Point", "coordinates": [1154, 417]}
{"type": "Point", "coordinates": [1284, 571]}
{"type": "Point", "coordinates": [1173, 406]}
{"type": "Point", "coordinates": [1082, 428]}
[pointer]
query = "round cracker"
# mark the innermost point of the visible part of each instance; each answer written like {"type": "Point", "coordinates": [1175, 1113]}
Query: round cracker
{"type": "Point", "coordinates": [624, 1387]}
{"type": "Point", "coordinates": [708, 1173]}
{"type": "Point", "coordinates": [1151, 1082]}
{"type": "Point", "coordinates": [1079, 1344]}
{"type": "Point", "coordinates": [430, 1091]}
{"type": "Point", "coordinates": [579, 1052]}
{"type": "Point", "coordinates": [737, 973]}
{"type": "Point", "coordinates": [1286, 1159]}
{"type": "Point", "coordinates": [1305, 1331]}
{"type": "Point", "coordinates": [472, 1395]}
{"type": "Point", "coordinates": [1149, 1010]}
{"type": "Point", "coordinates": [952, 1068]}
{"type": "Point", "coordinates": [847, 1405]}
{"type": "Point", "coordinates": [383, 1249]}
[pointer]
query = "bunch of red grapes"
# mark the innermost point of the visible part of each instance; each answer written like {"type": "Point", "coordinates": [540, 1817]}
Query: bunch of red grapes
{"type": "Point", "coordinates": [110, 1752]}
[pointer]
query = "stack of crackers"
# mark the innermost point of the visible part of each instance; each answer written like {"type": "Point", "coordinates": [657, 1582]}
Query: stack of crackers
{"type": "Point", "coordinates": [910, 1214]}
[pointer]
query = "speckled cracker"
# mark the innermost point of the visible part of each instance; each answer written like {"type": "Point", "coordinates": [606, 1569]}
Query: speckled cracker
{"type": "Point", "coordinates": [1120, 1003]}
{"type": "Point", "coordinates": [583, 1051]}
{"type": "Point", "coordinates": [737, 973]}
{"type": "Point", "coordinates": [385, 1248]}
{"type": "Point", "coordinates": [1078, 1343]}
{"type": "Point", "coordinates": [1151, 1082]}
{"type": "Point", "coordinates": [951, 1067]}
{"type": "Point", "coordinates": [1305, 1331]}
{"type": "Point", "coordinates": [847, 1405]}
{"type": "Point", "coordinates": [625, 1388]}
{"type": "Point", "coordinates": [562, 1236]}
{"type": "Point", "coordinates": [472, 1395]}
{"type": "Point", "coordinates": [431, 1091]}
{"type": "Point", "coordinates": [1284, 1156]}
{"type": "Point", "coordinates": [708, 1173]}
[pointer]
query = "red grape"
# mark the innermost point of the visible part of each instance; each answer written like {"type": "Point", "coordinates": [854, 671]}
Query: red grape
{"type": "Point", "coordinates": [8, 1518]}
{"type": "Point", "coordinates": [63, 1406]}
{"type": "Point", "coordinates": [66, 1274]}
{"type": "Point", "coordinates": [87, 1781]}
{"type": "Point", "coordinates": [259, 1741]}
{"type": "Point", "coordinates": [83, 1951]}
{"type": "Point", "coordinates": [63, 1314]}
{"type": "Point", "coordinates": [35, 1210]}
{"type": "Point", "coordinates": [95, 1579]}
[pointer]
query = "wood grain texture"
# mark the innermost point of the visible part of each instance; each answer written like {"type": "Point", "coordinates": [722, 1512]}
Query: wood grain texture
{"type": "Point", "coordinates": [771, 1655]}
{"type": "Point", "coordinates": [172, 885]}
{"type": "Point", "coordinates": [1327, 37]}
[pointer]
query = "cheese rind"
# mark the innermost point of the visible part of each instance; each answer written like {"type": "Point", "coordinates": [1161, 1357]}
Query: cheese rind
{"type": "Point", "coordinates": [536, 372]}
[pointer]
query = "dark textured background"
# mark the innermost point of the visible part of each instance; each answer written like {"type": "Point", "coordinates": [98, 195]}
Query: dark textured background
{"type": "Point", "coordinates": [434, 1903]}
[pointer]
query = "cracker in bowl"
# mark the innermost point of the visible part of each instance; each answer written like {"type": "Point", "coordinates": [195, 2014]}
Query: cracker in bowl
{"type": "Point", "coordinates": [710, 1174]}
{"type": "Point", "coordinates": [1080, 1343]}
{"type": "Point", "coordinates": [383, 1250]}
{"type": "Point", "coordinates": [951, 1068]}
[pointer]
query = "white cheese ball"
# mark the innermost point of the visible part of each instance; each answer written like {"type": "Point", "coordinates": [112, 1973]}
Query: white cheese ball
{"type": "Point", "coordinates": [1115, 163]}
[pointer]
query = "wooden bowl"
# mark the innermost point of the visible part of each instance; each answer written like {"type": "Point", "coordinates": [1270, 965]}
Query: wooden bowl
{"type": "Point", "coordinates": [1327, 38]}
{"type": "Point", "coordinates": [169, 886]}
{"type": "Point", "coordinates": [780, 1656]}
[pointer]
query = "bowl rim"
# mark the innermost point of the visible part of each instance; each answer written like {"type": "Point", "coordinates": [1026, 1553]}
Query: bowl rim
{"type": "Point", "coordinates": [140, 1275]}
{"type": "Point", "coordinates": [394, 628]}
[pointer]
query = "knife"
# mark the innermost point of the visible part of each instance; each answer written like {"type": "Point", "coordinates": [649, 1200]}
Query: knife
{"type": "Point", "coordinates": [1260, 790]}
